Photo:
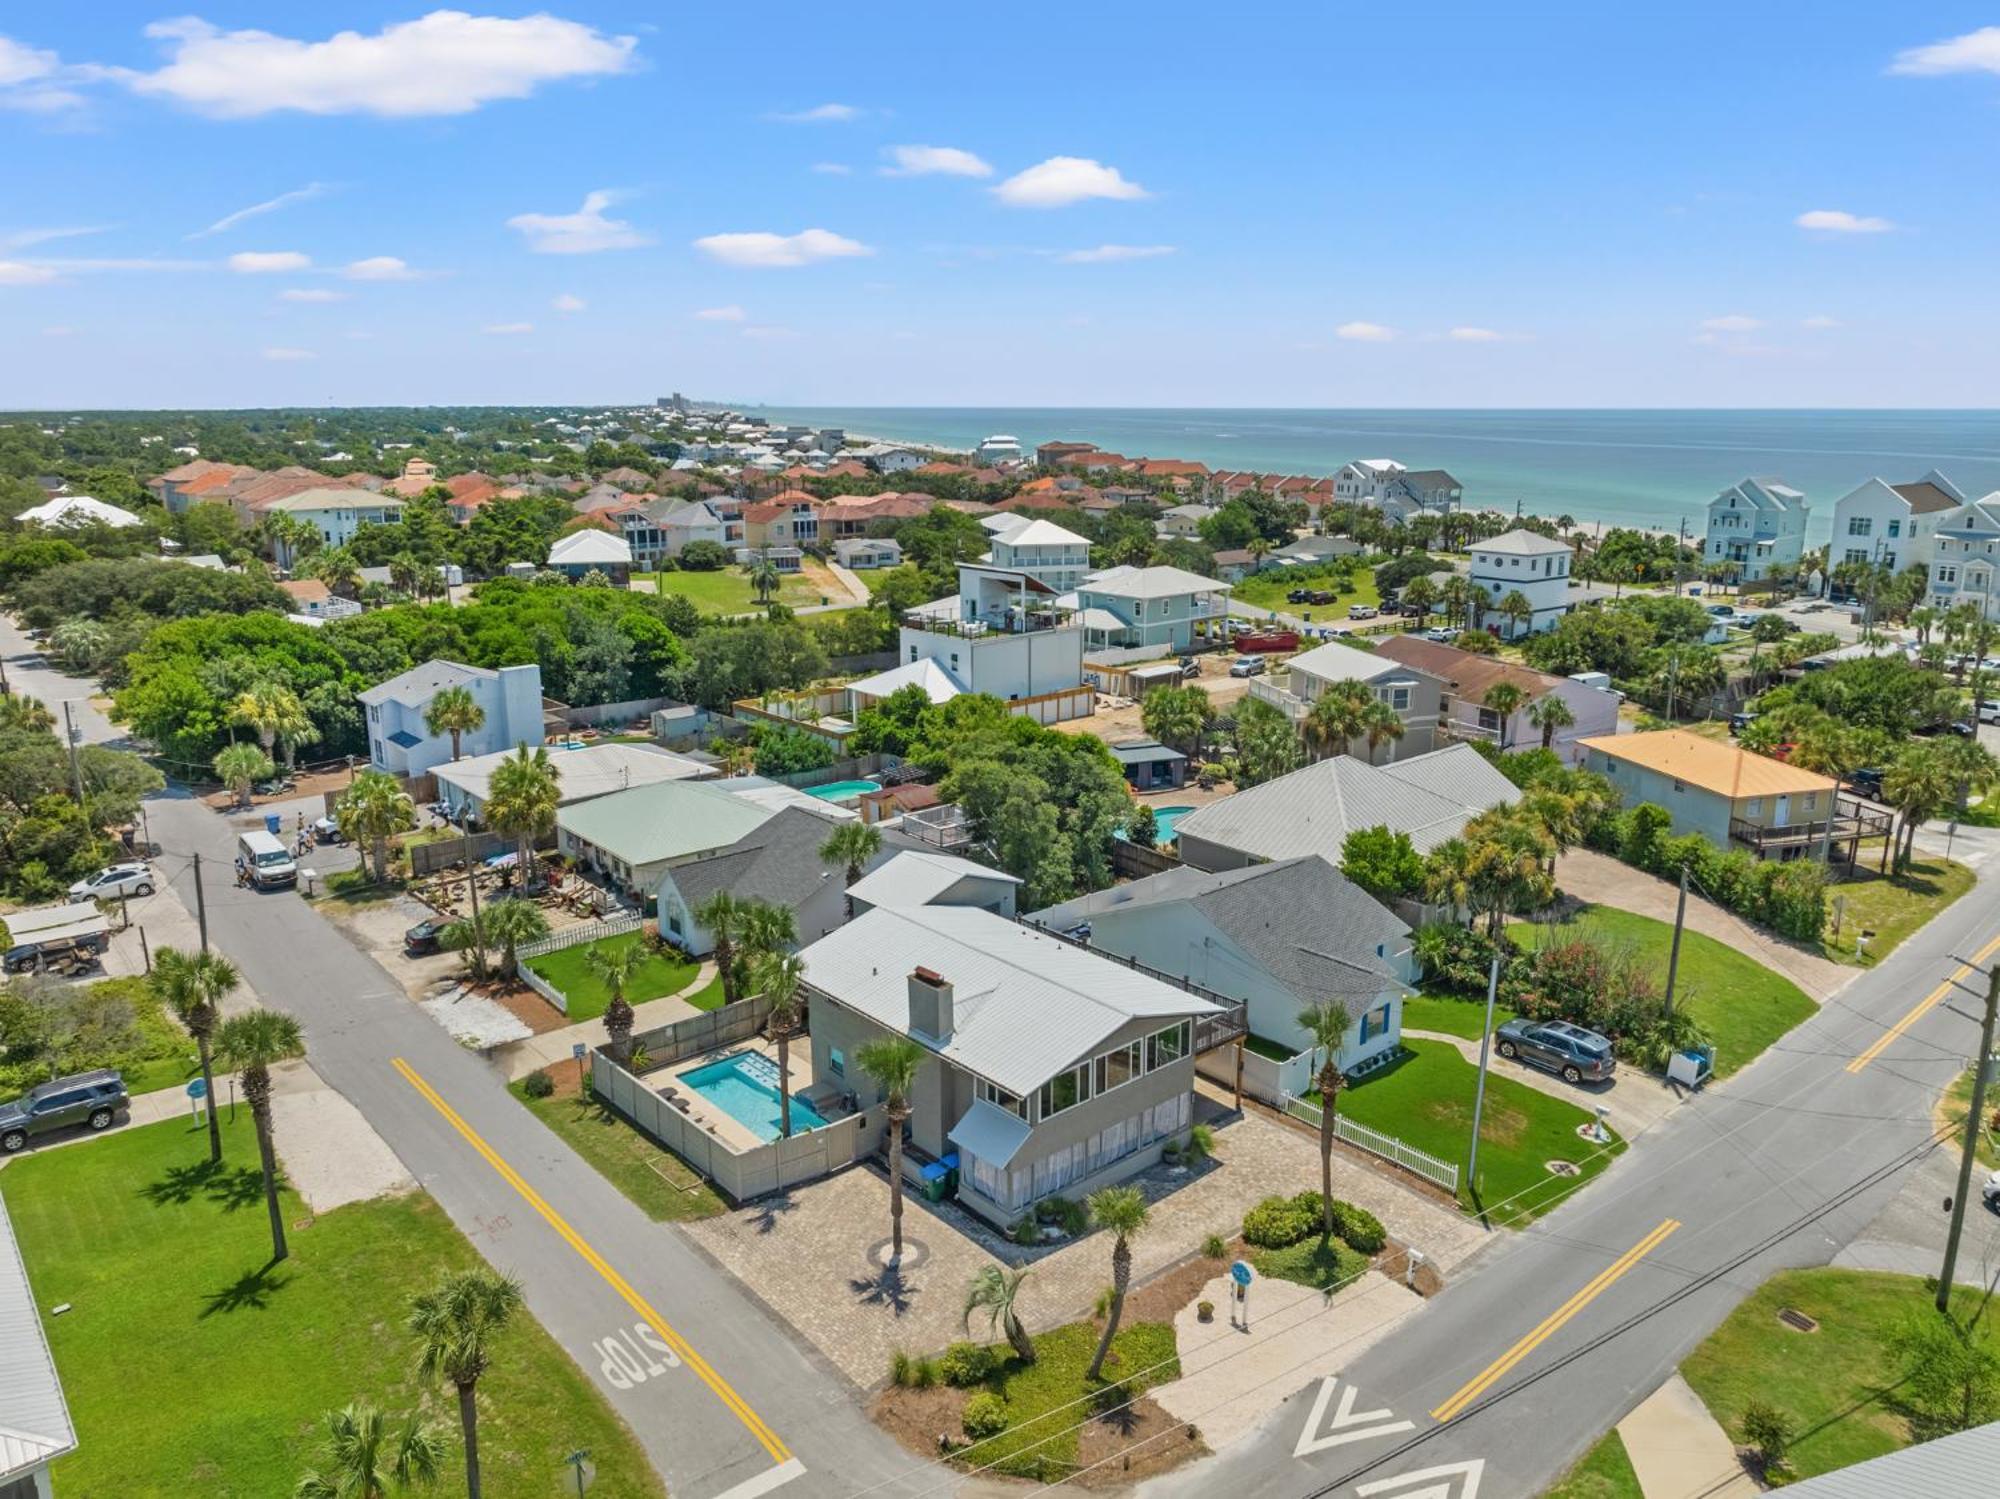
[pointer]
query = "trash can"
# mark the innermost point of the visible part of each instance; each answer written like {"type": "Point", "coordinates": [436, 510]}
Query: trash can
{"type": "Point", "coordinates": [933, 1177]}
{"type": "Point", "coordinates": [273, 823]}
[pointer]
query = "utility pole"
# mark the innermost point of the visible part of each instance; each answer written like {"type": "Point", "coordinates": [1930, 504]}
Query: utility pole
{"type": "Point", "coordinates": [1479, 1098]}
{"type": "Point", "coordinates": [75, 763]}
{"type": "Point", "coordinates": [472, 890]}
{"type": "Point", "coordinates": [1972, 1128]}
{"type": "Point", "coordinates": [1674, 952]}
{"type": "Point", "coordinates": [200, 904]}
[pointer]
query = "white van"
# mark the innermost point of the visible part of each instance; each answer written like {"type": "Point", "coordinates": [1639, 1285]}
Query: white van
{"type": "Point", "coordinates": [264, 860]}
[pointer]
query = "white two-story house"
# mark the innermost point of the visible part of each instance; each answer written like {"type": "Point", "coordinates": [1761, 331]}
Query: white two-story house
{"type": "Point", "coordinates": [1892, 524]}
{"type": "Point", "coordinates": [1043, 550]}
{"type": "Point", "coordinates": [1416, 695]}
{"type": "Point", "coordinates": [401, 743]}
{"type": "Point", "coordinates": [1755, 526]}
{"type": "Point", "coordinates": [1148, 606]}
{"type": "Point", "coordinates": [1535, 565]}
{"type": "Point", "coordinates": [1365, 481]}
{"type": "Point", "coordinates": [336, 514]}
{"type": "Point", "coordinates": [1965, 558]}
{"type": "Point", "coordinates": [1007, 633]}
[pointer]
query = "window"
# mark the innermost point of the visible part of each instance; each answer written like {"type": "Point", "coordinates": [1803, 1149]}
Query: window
{"type": "Point", "coordinates": [1860, 525]}
{"type": "Point", "coordinates": [1895, 528]}
{"type": "Point", "coordinates": [836, 1061]}
{"type": "Point", "coordinates": [1375, 1022]}
{"type": "Point", "coordinates": [1000, 1098]}
{"type": "Point", "coordinates": [1064, 1091]}
{"type": "Point", "coordinates": [1117, 1067]}
{"type": "Point", "coordinates": [1947, 575]}
{"type": "Point", "coordinates": [1809, 800]}
{"type": "Point", "coordinates": [1167, 1046]}
{"type": "Point", "coordinates": [1754, 807]}
{"type": "Point", "coordinates": [1399, 698]}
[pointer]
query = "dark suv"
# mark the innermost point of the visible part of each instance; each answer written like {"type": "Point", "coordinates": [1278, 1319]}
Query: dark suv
{"type": "Point", "coordinates": [1570, 1051]}
{"type": "Point", "coordinates": [92, 1098]}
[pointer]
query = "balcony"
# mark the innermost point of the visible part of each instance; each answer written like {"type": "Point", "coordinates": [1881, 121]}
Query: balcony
{"type": "Point", "coordinates": [1851, 824]}
{"type": "Point", "coordinates": [988, 626]}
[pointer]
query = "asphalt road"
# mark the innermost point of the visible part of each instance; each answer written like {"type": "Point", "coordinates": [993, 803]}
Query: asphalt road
{"type": "Point", "coordinates": [727, 1404]}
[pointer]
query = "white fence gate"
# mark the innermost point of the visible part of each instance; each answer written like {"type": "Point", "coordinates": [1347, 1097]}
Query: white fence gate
{"type": "Point", "coordinates": [1388, 1147]}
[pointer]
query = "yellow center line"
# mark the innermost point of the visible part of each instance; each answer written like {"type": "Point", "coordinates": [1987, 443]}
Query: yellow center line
{"type": "Point", "coordinates": [694, 1361]}
{"type": "Point", "coordinates": [1923, 1007]}
{"type": "Point", "coordinates": [1553, 1323]}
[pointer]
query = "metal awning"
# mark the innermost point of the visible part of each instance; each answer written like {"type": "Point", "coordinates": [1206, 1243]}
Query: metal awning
{"type": "Point", "coordinates": [988, 1131]}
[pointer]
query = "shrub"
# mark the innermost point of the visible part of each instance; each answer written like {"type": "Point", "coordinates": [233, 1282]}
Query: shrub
{"type": "Point", "coordinates": [538, 1085]}
{"type": "Point", "coordinates": [1199, 1145]}
{"type": "Point", "coordinates": [1073, 1218]}
{"type": "Point", "coordinates": [1214, 1248]}
{"type": "Point", "coordinates": [1142, 829]}
{"type": "Point", "coordinates": [965, 1365]}
{"type": "Point", "coordinates": [1769, 1431]}
{"type": "Point", "coordinates": [1026, 1232]}
{"type": "Point", "coordinates": [923, 1373]}
{"type": "Point", "coordinates": [1360, 1229]}
{"type": "Point", "coordinates": [1795, 899]}
{"type": "Point", "coordinates": [1277, 1222]}
{"type": "Point", "coordinates": [985, 1415]}
{"type": "Point", "coordinates": [901, 1366]}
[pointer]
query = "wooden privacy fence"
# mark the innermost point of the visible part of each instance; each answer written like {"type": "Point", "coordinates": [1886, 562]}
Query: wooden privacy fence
{"type": "Point", "coordinates": [1388, 1147]}
{"type": "Point", "coordinates": [444, 853]}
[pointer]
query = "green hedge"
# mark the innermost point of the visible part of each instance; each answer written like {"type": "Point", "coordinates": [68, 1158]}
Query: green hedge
{"type": "Point", "coordinates": [1789, 897]}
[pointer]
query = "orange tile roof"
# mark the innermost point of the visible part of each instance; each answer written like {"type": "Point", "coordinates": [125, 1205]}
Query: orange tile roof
{"type": "Point", "coordinates": [307, 590]}
{"type": "Point", "coordinates": [1710, 764]}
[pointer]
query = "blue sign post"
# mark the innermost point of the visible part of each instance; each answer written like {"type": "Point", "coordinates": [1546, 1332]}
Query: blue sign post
{"type": "Point", "coordinates": [1239, 1295]}
{"type": "Point", "coordinates": [196, 1092]}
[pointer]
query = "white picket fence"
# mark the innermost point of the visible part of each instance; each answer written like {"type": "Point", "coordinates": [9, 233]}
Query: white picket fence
{"type": "Point", "coordinates": [1388, 1147]}
{"type": "Point", "coordinates": [586, 931]}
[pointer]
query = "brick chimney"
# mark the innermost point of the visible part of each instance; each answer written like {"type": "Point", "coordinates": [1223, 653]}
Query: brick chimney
{"type": "Point", "coordinates": [930, 1004]}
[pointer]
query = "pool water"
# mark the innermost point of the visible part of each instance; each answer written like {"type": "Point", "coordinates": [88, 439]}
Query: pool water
{"type": "Point", "coordinates": [1164, 821]}
{"type": "Point", "coordinates": [745, 1087]}
{"type": "Point", "coordinates": [843, 791]}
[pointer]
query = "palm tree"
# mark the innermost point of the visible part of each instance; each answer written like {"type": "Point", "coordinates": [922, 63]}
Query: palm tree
{"type": "Point", "coordinates": [1517, 607]}
{"type": "Point", "coordinates": [509, 924]}
{"type": "Point", "coordinates": [365, 1460]}
{"type": "Point", "coordinates": [1508, 860]}
{"type": "Point", "coordinates": [241, 766]}
{"type": "Point", "coordinates": [1327, 1022]}
{"type": "Point", "coordinates": [614, 967]}
{"type": "Point", "coordinates": [1121, 1212]}
{"type": "Point", "coordinates": [467, 935]}
{"type": "Point", "coordinates": [1550, 713]}
{"type": "Point", "coordinates": [766, 929]}
{"type": "Point", "coordinates": [337, 568]}
{"type": "Point", "coordinates": [1448, 875]}
{"type": "Point", "coordinates": [721, 916]}
{"type": "Point", "coordinates": [79, 643]}
{"type": "Point", "coordinates": [854, 844]}
{"type": "Point", "coordinates": [1504, 700]}
{"type": "Point", "coordinates": [1337, 718]}
{"type": "Point", "coordinates": [1380, 725]}
{"type": "Point", "coordinates": [372, 810]}
{"type": "Point", "coordinates": [779, 976]}
{"type": "Point", "coordinates": [273, 711]}
{"type": "Point", "coordinates": [193, 986]}
{"type": "Point", "coordinates": [891, 1063]}
{"type": "Point", "coordinates": [457, 1321]}
{"type": "Point", "coordinates": [1457, 596]}
{"type": "Point", "coordinates": [996, 1291]}
{"type": "Point", "coordinates": [522, 803]}
{"type": "Point", "coordinates": [764, 578]}
{"type": "Point", "coordinates": [1176, 716]}
{"type": "Point", "coordinates": [454, 711]}
{"type": "Point", "coordinates": [251, 1045]}
{"type": "Point", "coordinates": [406, 577]}
{"type": "Point", "coordinates": [1421, 592]}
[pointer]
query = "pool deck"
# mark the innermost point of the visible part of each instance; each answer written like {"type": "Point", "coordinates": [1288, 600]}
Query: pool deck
{"type": "Point", "coordinates": [725, 1126]}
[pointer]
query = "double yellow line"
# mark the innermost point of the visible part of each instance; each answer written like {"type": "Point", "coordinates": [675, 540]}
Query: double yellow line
{"type": "Point", "coordinates": [1550, 1325]}
{"type": "Point", "coordinates": [694, 1361]}
{"type": "Point", "coordinates": [1923, 1007]}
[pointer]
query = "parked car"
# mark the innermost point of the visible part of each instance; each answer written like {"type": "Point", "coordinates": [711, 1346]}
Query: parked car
{"type": "Point", "coordinates": [1298, 596]}
{"type": "Point", "coordinates": [1867, 782]}
{"type": "Point", "coordinates": [1990, 1193]}
{"type": "Point", "coordinates": [1989, 712]}
{"type": "Point", "coordinates": [1722, 611]}
{"type": "Point", "coordinates": [1190, 668]}
{"type": "Point", "coordinates": [1441, 634]}
{"type": "Point", "coordinates": [119, 879]}
{"type": "Point", "coordinates": [1362, 611]}
{"type": "Point", "coordinates": [1738, 722]}
{"type": "Point", "coordinates": [1573, 1053]}
{"type": "Point", "coordinates": [88, 1098]}
{"type": "Point", "coordinates": [1247, 666]}
{"type": "Point", "coordinates": [1322, 596]}
{"type": "Point", "coordinates": [427, 936]}
{"type": "Point", "coordinates": [325, 830]}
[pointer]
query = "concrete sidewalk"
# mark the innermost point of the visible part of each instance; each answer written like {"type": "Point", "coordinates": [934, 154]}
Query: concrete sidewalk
{"type": "Point", "coordinates": [519, 1058]}
{"type": "Point", "coordinates": [1680, 1451]}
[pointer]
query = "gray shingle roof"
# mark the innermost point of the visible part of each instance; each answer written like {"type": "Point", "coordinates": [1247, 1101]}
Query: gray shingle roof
{"type": "Point", "coordinates": [778, 862]}
{"type": "Point", "coordinates": [420, 684]}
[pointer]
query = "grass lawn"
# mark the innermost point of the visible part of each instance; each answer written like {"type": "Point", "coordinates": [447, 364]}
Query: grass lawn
{"type": "Point", "coordinates": [663, 1186]}
{"type": "Point", "coordinates": [1957, 1101]}
{"type": "Point", "coordinates": [1265, 1047]}
{"type": "Point", "coordinates": [728, 591]}
{"type": "Point", "coordinates": [193, 1367]}
{"type": "Point", "coordinates": [1268, 590]}
{"type": "Point", "coordinates": [1454, 1017]}
{"type": "Point", "coordinates": [1040, 1439]}
{"type": "Point", "coordinates": [568, 969]}
{"type": "Point", "coordinates": [1320, 1263]}
{"type": "Point", "coordinates": [1836, 1384]}
{"type": "Point", "coordinates": [1425, 1099]}
{"type": "Point", "coordinates": [1892, 908]}
{"type": "Point", "coordinates": [708, 996]}
{"type": "Point", "coordinates": [356, 887]}
{"type": "Point", "coordinates": [1605, 1473]}
{"type": "Point", "coordinates": [1743, 1005]}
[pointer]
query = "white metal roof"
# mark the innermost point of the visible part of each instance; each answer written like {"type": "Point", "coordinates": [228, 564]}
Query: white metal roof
{"type": "Point", "coordinates": [35, 1424]}
{"type": "Point", "coordinates": [1041, 533]}
{"type": "Point", "coordinates": [580, 774]}
{"type": "Point", "coordinates": [590, 546]}
{"type": "Point", "coordinates": [1150, 583]}
{"type": "Point", "coordinates": [916, 878]}
{"type": "Point", "coordinates": [66, 511]}
{"type": "Point", "coordinates": [939, 685]}
{"type": "Point", "coordinates": [1521, 543]}
{"type": "Point", "coordinates": [1334, 662]}
{"type": "Point", "coordinates": [1025, 1004]}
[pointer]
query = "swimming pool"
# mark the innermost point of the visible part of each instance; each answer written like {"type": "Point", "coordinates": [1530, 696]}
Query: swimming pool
{"type": "Point", "coordinates": [745, 1087]}
{"type": "Point", "coordinates": [843, 791]}
{"type": "Point", "coordinates": [1164, 821]}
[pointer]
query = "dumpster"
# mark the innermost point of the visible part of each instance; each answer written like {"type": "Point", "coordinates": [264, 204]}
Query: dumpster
{"type": "Point", "coordinates": [274, 823]}
{"type": "Point", "coordinates": [933, 1178]}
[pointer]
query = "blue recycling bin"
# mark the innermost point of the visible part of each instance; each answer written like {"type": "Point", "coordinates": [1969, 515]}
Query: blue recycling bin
{"type": "Point", "coordinates": [272, 823]}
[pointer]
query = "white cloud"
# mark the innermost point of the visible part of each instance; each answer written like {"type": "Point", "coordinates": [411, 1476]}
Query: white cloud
{"type": "Point", "coordinates": [256, 210]}
{"type": "Point", "coordinates": [584, 232]}
{"type": "Point", "coordinates": [1367, 333]}
{"type": "Point", "coordinates": [1839, 221]}
{"type": "Point", "coordinates": [20, 63]}
{"type": "Point", "coordinates": [41, 99]}
{"type": "Point", "coordinates": [289, 356]}
{"type": "Point", "coordinates": [1104, 254]}
{"type": "Point", "coordinates": [18, 273]}
{"type": "Point", "coordinates": [765, 250]}
{"type": "Point", "coordinates": [311, 294]}
{"type": "Point", "coordinates": [21, 239]}
{"type": "Point", "coordinates": [379, 268]}
{"type": "Point", "coordinates": [832, 168]}
{"type": "Point", "coordinates": [29, 80]}
{"type": "Point", "coordinates": [729, 314]}
{"type": "Point", "coordinates": [769, 332]}
{"type": "Point", "coordinates": [820, 114]}
{"type": "Point", "coordinates": [1062, 180]}
{"type": "Point", "coordinates": [569, 302]}
{"type": "Point", "coordinates": [265, 262]}
{"type": "Point", "coordinates": [1819, 320]}
{"type": "Point", "coordinates": [444, 63]}
{"type": "Point", "coordinates": [1732, 322]}
{"type": "Point", "coordinates": [933, 161]}
{"type": "Point", "coordinates": [1975, 52]}
{"type": "Point", "coordinates": [1475, 336]}
{"type": "Point", "coordinates": [508, 328]}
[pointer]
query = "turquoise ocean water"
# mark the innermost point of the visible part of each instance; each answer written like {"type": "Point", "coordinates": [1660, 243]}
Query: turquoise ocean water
{"type": "Point", "coordinates": [1644, 468]}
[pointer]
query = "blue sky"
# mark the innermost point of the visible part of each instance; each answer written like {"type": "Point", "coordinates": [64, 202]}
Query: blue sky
{"type": "Point", "coordinates": [1453, 205]}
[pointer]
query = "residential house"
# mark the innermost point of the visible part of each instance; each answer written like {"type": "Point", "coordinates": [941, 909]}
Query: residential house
{"type": "Point", "coordinates": [195, 480]}
{"type": "Point", "coordinates": [1234, 564]}
{"type": "Point", "coordinates": [701, 520]}
{"type": "Point", "coordinates": [1279, 937]}
{"type": "Point", "coordinates": [1468, 677]}
{"type": "Point", "coordinates": [861, 552]}
{"type": "Point", "coordinates": [590, 550]}
{"type": "Point", "coordinates": [634, 837]}
{"type": "Point", "coordinates": [1057, 454]}
{"type": "Point", "coordinates": [1044, 551]}
{"type": "Point", "coordinates": [851, 515]}
{"type": "Point", "coordinates": [1416, 695]}
{"type": "Point", "coordinates": [1891, 524]}
{"type": "Point", "coordinates": [1006, 633]}
{"type": "Point", "coordinates": [886, 458]}
{"type": "Point", "coordinates": [917, 877]}
{"type": "Point", "coordinates": [1311, 811]}
{"type": "Point", "coordinates": [1046, 1068]}
{"type": "Point", "coordinates": [1755, 526]}
{"type": "Point", "coordinates": [783, 559]}
{"type": "Point", "coordinates": [1183, 520]}
{"type": "Point", "coordinates": [468, 494]}
{"type": "Point", "coordinates": [999, 448]}
{"type": "Point", "coordinates": [400, 743]}
{"type": "Point", "coordinates": [1421, 491]}
{"type": "Point", "coordinates": [1536, 566]}
{"type": "Point", "coordinates": [1731, 796]}
{"type": "Point", "coordinates": [596, 770]}
{"type": "Point", "coordinates": [1365, 481]}
{"type": "Point", "coordinates": [70, 511]}
{"type": "Point", "coordinates": [336, 513]}
{"type": "Point", "coordinates": [788, 519]}
{"type": "Point", "coordinates": [314, 599]}
{"type": "Point", "coordinates": [418, 475]}
{"type": "Point", "coordinates": [1180, 471]}
{"type": "Point", "coordinates": [1965, 557]}
{"type": "Point", "coordinates": [1149, 606]}
{"type": "Point", "coordinates": [777, 862]}
{"type": "Point", "coordinates": [1309, 549]}
{"type": "Point", "coordinates": [36, 1429]}
{"type": "Point", "coordinates": [924, 672]}
{"type": "Point", "coordinates": [894, 802]}
{"type": "Point", "coordinates": [1149, 765]}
